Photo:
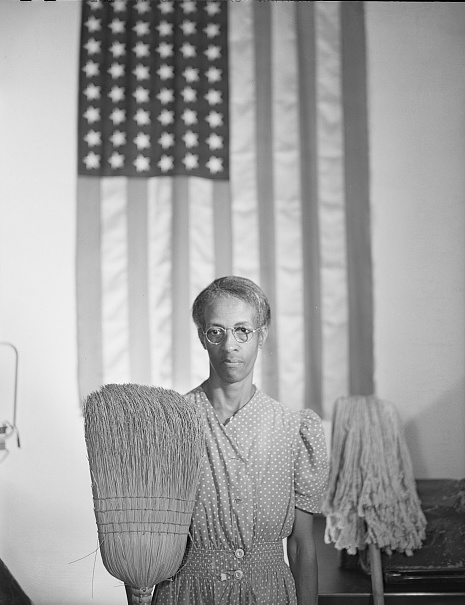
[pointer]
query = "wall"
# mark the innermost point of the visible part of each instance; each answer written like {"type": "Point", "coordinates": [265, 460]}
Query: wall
{"type": "Point", "coordinates": [417, 141]}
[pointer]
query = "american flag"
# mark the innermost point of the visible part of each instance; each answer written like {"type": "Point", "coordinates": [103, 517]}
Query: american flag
{"type": "Point", "coordinates": [221, 137]}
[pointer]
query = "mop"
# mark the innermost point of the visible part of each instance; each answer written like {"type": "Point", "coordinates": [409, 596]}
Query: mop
{"type": "Point", "coordinates": [144, 447]}
{"type": "Point", "coordinates": [371, 498]}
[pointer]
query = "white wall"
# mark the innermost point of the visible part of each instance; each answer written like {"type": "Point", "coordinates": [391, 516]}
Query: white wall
{"type": "Point", "coordinates": [417, 105]}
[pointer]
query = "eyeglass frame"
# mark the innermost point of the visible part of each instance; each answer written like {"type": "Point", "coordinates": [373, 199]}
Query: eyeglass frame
{"type": "Point", "coordinates": [225, 330]}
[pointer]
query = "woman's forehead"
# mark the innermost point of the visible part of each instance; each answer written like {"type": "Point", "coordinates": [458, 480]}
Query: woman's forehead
{"type": "Point", "coordinates": [229, 308]}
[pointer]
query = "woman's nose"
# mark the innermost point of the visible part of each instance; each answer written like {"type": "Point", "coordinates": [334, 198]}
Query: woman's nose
{"type": "Point", "coordinates": [229, 341]}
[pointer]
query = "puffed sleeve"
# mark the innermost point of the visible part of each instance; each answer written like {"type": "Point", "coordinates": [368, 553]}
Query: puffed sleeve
{"type": "Point", "coordinates": [311, 463]}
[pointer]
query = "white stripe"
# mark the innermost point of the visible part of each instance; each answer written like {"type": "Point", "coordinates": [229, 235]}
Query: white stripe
{"type": "Point", "coordinates": [115, 318]}
{"type": "Point", "coordinates": [160, 265]}
{"type": "Point", "coordinates": [289, 262]}
{"type": "Point", "coordinates": [243, 183]}
{"type": "Point", "coordinates": [202, 262]}
{"type": "Point", "coordinates": [332, 205]}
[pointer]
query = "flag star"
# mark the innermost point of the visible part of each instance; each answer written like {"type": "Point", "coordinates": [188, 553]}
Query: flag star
{"type": "Point", "coordinates": [166, 163]}
{"type": "Point", "coordinates": [191, 161]}
{"type": "Point", "coordinates": [188, 28]}
{"type": "Point", "coordinates": [142, 95]}
{"type": "Point", "coordinates": [118, 138]}
{"type": "Point", "coordinates": [166, 7]}
{"type": "Point", "coordinates": [188, 50]}
{"type": "Point", "coordinates": [213, 52]}
{"type": "Point", "coordinates": [212, 8]}
{"type": "Point", "coordinates": [212, 30]}
{"type": "Point", "coordinates": [191, 74]}
{"type": "Point", "coordinates": [188, 6]}
{"type": "Point", "coordinates": [166, 95]}
{"type": "Point", "coordinates": [141, 49]}
{"type": "Point", "coordinates": [213, 74]}
{"type": "Point", "coordinates": [166, 140]}
{"type": "Point", "coordinates": [92, 114]}
{"type": "Point", "coordinates": [165, 28]}
{"type": "Point", "coordinates": [93, 138]}
{"type": "Point", "coordinates": [189, 94]}
{"type": "Point", "coordinates": [142, 140]}
{"type": "Point", "coordinates": [142, 117]}
{"type": "Point", "coordinates": [165, 50]}
{"type": "Point", "coordinates": [92, 46]}
{"type": "Point", "coordinates": [142, 7]}
{"type": "Point", "coordinates": [93, 24]}
{"type": "Point", "coordinates": [189, 116]}
{"type": "Point", "coordinates": [191, 139]}
{"type": "Point", "coordinates": [166, 117]}
{"type": "Point", "coordinates": [119, 6]}
{"type": "Point", "coordinates": [165, 72]}
{"type": "Point", "coordinates": [92, 160]}
{"type": "Point", "coordinates": [116, 160]}
{"type": "Point", "coordinates": [96, 4]}
{"type": "Point", "coordinates": [118, 116]}
{"type": "Point", "coordinates": [141, 72]}
{"type": "Point", "coordinates": [215, 119]}
{"type": "Point", "coordinates": [142, 163]}
{"type": "Point", "coordinates": [213, 97]}
{"type": "Point", "coordinates": [118, 49]}
{"type": "Point", "coordinates": [215, 165]}
{"type": "Point", "coordinates": [214, 141]}
{"type": "Point", "coordinates": [92, 92]}
{"type": "Point", "coordinates": [117, 26]}
{"type": "Point", "coordinates": [91, 68]}
{"type": "Point", "coordinates": [116, 94]}
{"type": "Point", "coordinates": [141, 28]}
{"type": "Point", "coordinates": [116, 70]}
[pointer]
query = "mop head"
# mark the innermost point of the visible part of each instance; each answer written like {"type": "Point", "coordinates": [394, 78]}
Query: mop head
{"type": "Point", "coordinates": [144, 446]}
{"type": "Point", "coordinates": [371, 496]}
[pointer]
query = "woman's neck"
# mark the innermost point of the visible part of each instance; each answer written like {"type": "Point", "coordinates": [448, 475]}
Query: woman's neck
{"type": "Point", "coordinates": [228, 399]}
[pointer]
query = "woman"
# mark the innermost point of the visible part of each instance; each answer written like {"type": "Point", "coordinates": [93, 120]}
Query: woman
{"type": "Point", "coordinates": [264, 471]}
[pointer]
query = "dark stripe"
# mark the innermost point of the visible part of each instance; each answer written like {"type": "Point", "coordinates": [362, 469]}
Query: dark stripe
{"type": "Point", "coordinates": [306, 52]}
{"type": "Point", "coordinates": [265, 193]}
{"type": "Point", "coordinates": [138, 295]}
{"type": "Point", "coordinates": [89, 285]}
{"type": "Point", "coordinates": [357, 177]}
{"type": "Point", "coordinates": [222, 221]}
{"type": "Point", "coordinates": [180, 292]}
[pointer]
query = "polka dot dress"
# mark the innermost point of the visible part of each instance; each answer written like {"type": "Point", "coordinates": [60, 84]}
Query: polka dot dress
{"type": "Point", "coordinates": [260, 465]}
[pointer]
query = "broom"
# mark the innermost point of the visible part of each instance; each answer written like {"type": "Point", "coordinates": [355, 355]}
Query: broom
{"type": "Point", "coordinates": [144, 447]}
{"type": "Point", "coordinates": [371, 498]}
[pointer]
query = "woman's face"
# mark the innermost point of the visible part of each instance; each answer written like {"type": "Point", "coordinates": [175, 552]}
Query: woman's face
{"type": "Point", "coordinates": [231, 361]}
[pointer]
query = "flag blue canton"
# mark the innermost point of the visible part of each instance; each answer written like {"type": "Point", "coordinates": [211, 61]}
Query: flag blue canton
{"type": "Point", "coordinates": [153, 94]}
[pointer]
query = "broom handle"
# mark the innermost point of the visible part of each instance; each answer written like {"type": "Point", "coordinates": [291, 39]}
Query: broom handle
{"type": "Point", "coordinates": [376, 574]}
{"type": "Point", "coordinates": [138, 595]}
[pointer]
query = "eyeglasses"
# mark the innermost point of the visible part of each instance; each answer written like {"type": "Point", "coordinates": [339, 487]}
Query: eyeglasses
{"type": "Point", "coordinates": [216, 335]}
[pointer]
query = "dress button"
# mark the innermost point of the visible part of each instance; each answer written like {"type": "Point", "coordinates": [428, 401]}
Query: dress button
{"type": "Point", "coordinates": [239, 553]}
{"type": "Point", "coordinates": [238, 574]}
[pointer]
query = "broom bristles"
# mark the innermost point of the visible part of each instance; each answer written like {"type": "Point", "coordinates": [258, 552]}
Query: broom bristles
{"type": "Point", "coordinates": [144, 447]}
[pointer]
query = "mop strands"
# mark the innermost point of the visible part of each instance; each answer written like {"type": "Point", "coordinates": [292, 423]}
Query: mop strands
{"type": "Point", "coordinates": [144, 446]}
{"type": "Point", "coordinates": [371, 496]}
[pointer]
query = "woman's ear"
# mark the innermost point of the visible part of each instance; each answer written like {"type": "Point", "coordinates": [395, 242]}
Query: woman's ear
{"type": "Point", "coordinates": [202, 338]}
{"type": "Point", "coordinates": [262, 336]}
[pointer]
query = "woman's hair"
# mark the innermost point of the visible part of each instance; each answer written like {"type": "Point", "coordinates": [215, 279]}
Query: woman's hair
{"type": "Point", "coordinates": [235, 287]}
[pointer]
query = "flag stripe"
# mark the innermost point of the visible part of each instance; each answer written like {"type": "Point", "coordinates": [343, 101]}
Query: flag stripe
{"type": "Point", "coordinates": [357, 199]}
{"type": "Point", "coordinates": [265, 192]}
{"type": "Point", "coordinates": [222, 228]}
{"type": "Point", "coordinates": [331, 205]}
{"type": "Point", "coordinates": [115, 313]}
{"type": "Point", "coordinates": [311, 318]}
{"type": "Point", "coordinates": [180, 284]}
{"type": "Point", "coordinates": [89, 285]}
{"type": "Point", "coordinates": [138, 296]}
